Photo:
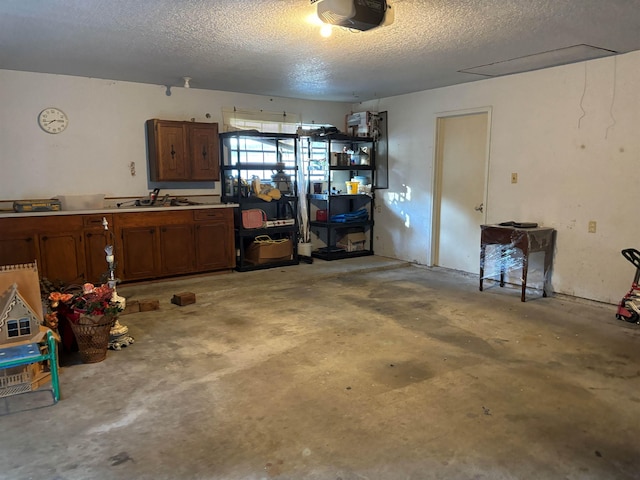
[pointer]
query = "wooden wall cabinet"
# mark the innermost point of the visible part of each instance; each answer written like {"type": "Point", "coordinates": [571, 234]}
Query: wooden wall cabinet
{"type": "Point", "coordinates": [204, 147]}
{"type": "Point", "coordinates": [183, 151]}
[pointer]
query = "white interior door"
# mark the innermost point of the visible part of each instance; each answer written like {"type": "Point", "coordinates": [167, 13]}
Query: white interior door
{"type": "Point", "coordinates": [461, 169]}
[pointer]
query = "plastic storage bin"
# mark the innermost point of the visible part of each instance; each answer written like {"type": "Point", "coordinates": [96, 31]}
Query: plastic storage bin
{"type": "Point", "coordinates": [82, 202]}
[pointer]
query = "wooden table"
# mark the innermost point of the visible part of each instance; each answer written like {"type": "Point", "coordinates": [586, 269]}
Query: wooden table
{"type": "Point", "coordinates": [528, 240]}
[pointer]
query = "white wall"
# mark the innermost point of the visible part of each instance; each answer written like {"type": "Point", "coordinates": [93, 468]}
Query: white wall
{"type": "Point", "coordinates": [106, 131]}
{"type": "Point", "coordinates": [573, 166]}
{"type": "Point", "coordinates": [572, 134]}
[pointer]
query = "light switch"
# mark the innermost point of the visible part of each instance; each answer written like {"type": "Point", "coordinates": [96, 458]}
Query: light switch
{"type": "Point", "coordinates": [514, 178]}
{"type": "Point", "coordinates": [592, 226]}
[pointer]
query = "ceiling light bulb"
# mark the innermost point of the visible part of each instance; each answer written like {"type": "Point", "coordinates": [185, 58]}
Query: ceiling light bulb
{"type": "Point", "coordinates": [186, 81]}
{"type": "Point", "coordinates": [313, 19]}
{"type": "Point", "coordinates": [325, 31]}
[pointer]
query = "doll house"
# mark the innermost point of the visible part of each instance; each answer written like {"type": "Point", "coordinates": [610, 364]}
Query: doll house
{"type": "Point", "coordinates": [20, 325]}
{"type": "Point", "coordinates": [18, 321]}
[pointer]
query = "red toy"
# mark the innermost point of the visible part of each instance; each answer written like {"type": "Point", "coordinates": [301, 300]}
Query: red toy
{"type": "Point", "coordinates": [629, 307]}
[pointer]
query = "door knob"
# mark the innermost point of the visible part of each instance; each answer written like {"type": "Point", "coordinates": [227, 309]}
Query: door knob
{"type": "Point", "coordinates": [479, 208]}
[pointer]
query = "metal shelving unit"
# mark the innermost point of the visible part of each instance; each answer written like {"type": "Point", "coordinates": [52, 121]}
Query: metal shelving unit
{"type": "Point", "coordinates": [244, 157]}
{"type": "Point", "coordinates": [330, 164]}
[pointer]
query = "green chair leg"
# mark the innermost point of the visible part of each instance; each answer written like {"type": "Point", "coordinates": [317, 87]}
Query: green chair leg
{"type": "Point", "coordinates": [53, 366]}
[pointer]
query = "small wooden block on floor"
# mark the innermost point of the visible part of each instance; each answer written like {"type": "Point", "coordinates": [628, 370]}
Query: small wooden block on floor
{"type": "Point", "coordinates": [133, 306]}
{"type": "Point", "coordinates": [148, 305]}
{"type": "Point", "coordinates": [184, 298]}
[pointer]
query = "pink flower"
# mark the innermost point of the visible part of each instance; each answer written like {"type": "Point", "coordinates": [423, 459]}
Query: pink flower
{"type": "Point", "coordinates": [57, 297]}
{"type": "Point", "coordinates": [89, 299]}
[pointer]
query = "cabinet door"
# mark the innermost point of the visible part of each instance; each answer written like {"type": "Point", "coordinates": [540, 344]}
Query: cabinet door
{"type": "Point", "coordinates": [95, 239]}
{"type": "Point", "coordinates": [19, 249]}
{"type": "Point", "coordinates": [214, 246]}
{"type": "Point", "coordinates": [95, 256]}
{"type": "Point", "coordinates": [167, 151]}
{"type": "Point", "coordinates": [176, 248]}
{"type": "Point", "coordinates": [62, 256]}
{"type": "Point", "coordinates": [19, 241]}
{"type": "Point", "coordinates": [140, 257]}
{"type": "Point", "coordinates": [204, 151]}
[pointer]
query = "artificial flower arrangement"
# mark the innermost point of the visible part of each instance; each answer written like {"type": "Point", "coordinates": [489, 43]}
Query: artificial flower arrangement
{"type": "Point", "coordinates": [83, 304]}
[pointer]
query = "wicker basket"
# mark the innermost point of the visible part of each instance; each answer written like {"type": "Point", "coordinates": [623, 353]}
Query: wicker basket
{"type": "Point", "coordinates": [92, 335]}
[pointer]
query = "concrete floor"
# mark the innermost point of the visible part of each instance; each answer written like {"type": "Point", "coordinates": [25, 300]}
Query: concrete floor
{"type": "Point", "coordinates": [358, 369]}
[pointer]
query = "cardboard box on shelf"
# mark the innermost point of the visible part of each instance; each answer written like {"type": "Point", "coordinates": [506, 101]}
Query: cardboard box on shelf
{"type": "Point", "coordinates": [258, 253]}
{"type": "Point", "coordinates": [352, 241]}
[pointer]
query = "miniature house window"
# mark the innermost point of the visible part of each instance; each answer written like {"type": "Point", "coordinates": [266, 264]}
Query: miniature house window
{"type": "Point", "coordinates": [25, 327]}
{"type": "Point", "coordinates": [18, 328]}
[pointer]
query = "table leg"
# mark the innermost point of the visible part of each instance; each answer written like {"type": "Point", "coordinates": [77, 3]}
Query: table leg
{"type": "Point", "coordinates": [501, 266]}
{"type": "Point", "coordinates": [53, 366]}
{"type": "Point", "coordinates": [525, 269]}
{"type": "Point", "coordinates": [482, 252]}
{"type": "Point", "coordinates": [547, 266]}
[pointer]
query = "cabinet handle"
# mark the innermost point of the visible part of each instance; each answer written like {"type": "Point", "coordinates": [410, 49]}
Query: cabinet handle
{"type": "Point", "coordinates": [89, 234]}
{"type": "Point", "coordinates": [173, 153]}
{"type": "Point", "coordinates": [45, 238]}
{"type": "Point", "coordinates": [204, 152]}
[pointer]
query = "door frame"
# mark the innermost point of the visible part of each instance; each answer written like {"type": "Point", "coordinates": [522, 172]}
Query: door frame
{"type": "Point", "coordinates": [437, 174]}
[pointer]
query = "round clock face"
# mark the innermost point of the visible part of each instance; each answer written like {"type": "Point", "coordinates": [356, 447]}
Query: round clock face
{"type": "Point", "coordinates": [53, 120]}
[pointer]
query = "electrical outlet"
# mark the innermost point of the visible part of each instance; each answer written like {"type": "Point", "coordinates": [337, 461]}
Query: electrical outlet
{"type": "Point", "coordinates": [592, 226]}
{"type": "Point", "coordinates": [514, 178]}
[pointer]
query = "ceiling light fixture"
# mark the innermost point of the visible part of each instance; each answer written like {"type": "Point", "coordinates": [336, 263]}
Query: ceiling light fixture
{"type": "Point", "coordinates": [354, 14]}
{"type": "Point", "coordinates": [326, 30]}
{"type": "Point", "coordinates": [186, 82]}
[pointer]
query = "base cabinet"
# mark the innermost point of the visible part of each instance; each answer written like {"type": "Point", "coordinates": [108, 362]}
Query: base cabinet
{"type": "Point", "coordinates": [163, 244]}
{"type": "Point", "coordinates": [56, 244]}
{"type": "Point", "coordinates": [140, 258]}
{"type": "Point", "coordinates": [147, 245]}
{"type": "Point", "coordinates": [62, 256]}
{"type": "Point", "coordinates": [17, 248]}
{"type": "Point", "coordinates": [155, 244]}
{"type": "Point", "coordinates": [176, 249]}
{"type": "Point", "coordinates": [214, 242]}
{"type": "Point", "coordinates": [96, 238]}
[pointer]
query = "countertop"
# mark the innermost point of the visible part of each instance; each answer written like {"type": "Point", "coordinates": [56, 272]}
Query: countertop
{"type": "Point", "coordinates": [130, 209]}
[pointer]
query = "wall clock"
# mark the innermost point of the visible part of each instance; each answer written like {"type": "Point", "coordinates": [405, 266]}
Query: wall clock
{"type": "Point", "coordinates": [53, 120]}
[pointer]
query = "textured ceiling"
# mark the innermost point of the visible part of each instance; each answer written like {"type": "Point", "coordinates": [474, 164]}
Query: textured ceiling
{"type": "Point", "coordinates": [268, 47]}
